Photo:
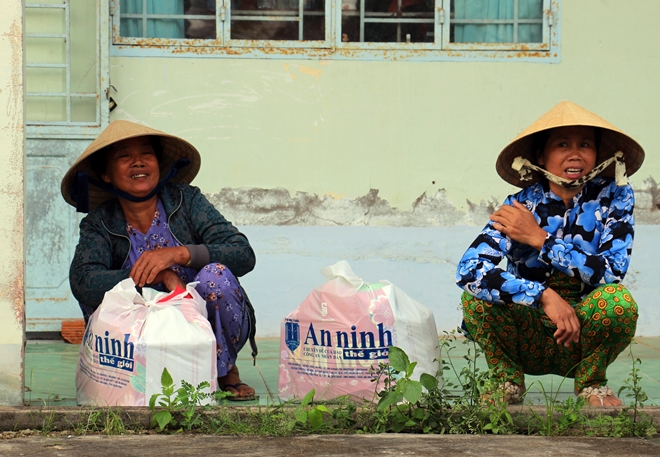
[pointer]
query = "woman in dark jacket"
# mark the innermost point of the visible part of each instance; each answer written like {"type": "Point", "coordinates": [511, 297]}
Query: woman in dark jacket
{"type": "Point", "coordinates": [147, 222]}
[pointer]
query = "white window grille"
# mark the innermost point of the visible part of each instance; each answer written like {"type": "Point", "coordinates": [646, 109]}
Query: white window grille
{"type": "Point", "coordinates": [337, 28]}
{"type": "Point", "coordinates": [66, 66]}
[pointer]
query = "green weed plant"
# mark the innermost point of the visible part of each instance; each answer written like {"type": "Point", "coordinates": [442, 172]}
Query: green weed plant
{"type": "Point", "coordinates": [470, 401]}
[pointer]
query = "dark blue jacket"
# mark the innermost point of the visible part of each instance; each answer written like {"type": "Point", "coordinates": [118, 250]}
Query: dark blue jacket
{"type": "Point", "coordinates": [104, 244]}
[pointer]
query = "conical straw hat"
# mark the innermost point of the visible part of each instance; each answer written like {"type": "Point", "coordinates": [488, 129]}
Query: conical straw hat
{"type": "Point", "coordinates": [563, 115]}
{"type": "Point", "coordinates": [174, 148]}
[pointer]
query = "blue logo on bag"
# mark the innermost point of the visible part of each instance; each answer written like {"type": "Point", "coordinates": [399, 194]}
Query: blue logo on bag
{"type": "Point", "coordinates": [292, 340]}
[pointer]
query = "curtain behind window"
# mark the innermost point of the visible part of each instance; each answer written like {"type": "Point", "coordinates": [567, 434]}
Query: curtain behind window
{"type": "Point", "coordinates": [156, 28]}
{"type": "Point", "coordinates": [497, 9]}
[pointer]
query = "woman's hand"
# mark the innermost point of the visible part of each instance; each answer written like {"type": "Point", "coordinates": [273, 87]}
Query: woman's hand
{"type": "Point", "coordinates": [151, 263]}
{"type": "Point", "coordinates": [169, 279]}
{"type": "Point", "coordinates": [563, 316]}
{"type": "Point", "coordinates": [519, 224]}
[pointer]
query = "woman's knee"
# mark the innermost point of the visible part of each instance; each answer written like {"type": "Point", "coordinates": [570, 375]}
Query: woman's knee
{"type": "Point", "coordinates": [477, 313]}
{"type": "Point", "coordinates": [615, 311]}
{"type": "Point", "coordinates": [216, 277]}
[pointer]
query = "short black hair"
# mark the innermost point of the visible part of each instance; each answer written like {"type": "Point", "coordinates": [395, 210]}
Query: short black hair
{"type": "Point", "coordinates": [539, 139]}
{"type": "Point", "coordinates": [99, 160]}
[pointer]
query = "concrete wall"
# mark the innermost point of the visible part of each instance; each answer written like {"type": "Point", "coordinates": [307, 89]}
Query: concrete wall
{"type": "Point", "coordinates": [391, 165]}
{"type": "Point", "coordinates": [12, 145]}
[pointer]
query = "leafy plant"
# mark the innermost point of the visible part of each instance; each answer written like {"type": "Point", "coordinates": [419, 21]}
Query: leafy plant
{"type": "Point", "coordinates": [187, 400]}
{"type": "Point", "coordinates": [641, 423]}
{"type": "Point", "coordinates": [570, 415]}
{"type": "Point", "coordinates": [167, 400]}
{"type": "Point", "coordinates": [480, 405]}
{"type": "Point", "coordinates": [312, 415]}
{"type": "Point", "coordinates": [493, 413]}
{"type": "Point", "coordinates": [399, 404]}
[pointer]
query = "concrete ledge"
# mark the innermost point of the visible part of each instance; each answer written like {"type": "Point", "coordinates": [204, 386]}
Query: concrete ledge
{"type": "Point", "coordinates": [392, 445]}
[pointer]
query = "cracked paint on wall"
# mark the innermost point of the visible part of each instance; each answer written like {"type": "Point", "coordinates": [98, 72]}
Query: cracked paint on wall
{"type": "Point", "coordinates": [255, 206]}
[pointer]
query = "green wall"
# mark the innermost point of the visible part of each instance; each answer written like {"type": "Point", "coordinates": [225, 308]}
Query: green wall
{"type": "Point", "coordinates": [344, 127]}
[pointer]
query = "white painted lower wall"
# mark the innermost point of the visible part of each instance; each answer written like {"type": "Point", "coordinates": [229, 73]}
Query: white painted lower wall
{"type": "Point", "coordinates": [421, 261]}
{"type": "Point", "coordinates": [12, 258]}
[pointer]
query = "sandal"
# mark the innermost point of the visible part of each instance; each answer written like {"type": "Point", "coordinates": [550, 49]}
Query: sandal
{"type": "Point", "coordinates": [510, 392]}
{"type": "Point", "coordinates": [513, 392]}
{"type": "Point", "coordinates": [235, 397]}
{"type": "Point", "coordinates": [600, 392]}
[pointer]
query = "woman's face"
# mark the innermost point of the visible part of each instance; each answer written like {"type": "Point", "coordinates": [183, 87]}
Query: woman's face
{"type": "Point", "coordinates": [570, 152]}
{"type": "Point", "coordinates": [133, 166]}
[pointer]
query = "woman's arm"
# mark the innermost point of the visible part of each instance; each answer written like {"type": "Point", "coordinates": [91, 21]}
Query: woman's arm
{"type": "Point", "coordinates": [609, 260]}
{"type": "Point", "coordinates": [479, 275]}
{"type": "Point", "coordinates": [219, 238]}
{"type": "Point", "coordinates": [90, 274]}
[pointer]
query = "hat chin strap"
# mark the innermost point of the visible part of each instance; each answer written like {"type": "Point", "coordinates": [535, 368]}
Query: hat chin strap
{"type": "Point", "coordinates": [524, 168]}
{"type": "Point", "coordinates": [80, 187]}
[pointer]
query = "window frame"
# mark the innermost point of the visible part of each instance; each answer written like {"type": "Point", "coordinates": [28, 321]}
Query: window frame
{"type": "Point", "coordinates": [223, 20]}
{"type": "Point", "coordinates": [332, 48]}
{"type": "Point", "coordinates": [68, 128]}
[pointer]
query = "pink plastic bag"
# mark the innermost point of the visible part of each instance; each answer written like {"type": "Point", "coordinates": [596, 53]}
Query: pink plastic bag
{"type": "Point", "coordinates": [132, 337]}
{"type": "Point", "coordinates": [343, 328]}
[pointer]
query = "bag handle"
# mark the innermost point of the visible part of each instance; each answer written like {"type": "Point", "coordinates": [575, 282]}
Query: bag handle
{"type": "Point", "coordinates": [343, 270]}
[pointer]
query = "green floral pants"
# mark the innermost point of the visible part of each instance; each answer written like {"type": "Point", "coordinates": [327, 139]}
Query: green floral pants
{"type": "Point", "coordinates": [518, 339]}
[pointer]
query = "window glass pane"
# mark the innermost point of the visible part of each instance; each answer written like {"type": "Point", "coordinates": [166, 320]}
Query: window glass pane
{"type": "Point", "coordinates": [83, 109]}
{"type": "Point", "coordinates": [45, 79]}
{"type": "Point", "coordinates": [84, 41]}
{"type": "Point", "coordinates": [130, 6]}
{"type": "Point", "coordinates": [165, 18]}
{"type": "Point", "coordinates": [130, 27]}
{"type": "Point", "coordinates": [42, 20]}
{"type": "Point", "coordinates": [202, 25]}
{"type": "Point", "coordinates": [496, 21]}
{"type": "Point", "coordinates": [45, 50]}
{"type": "Point", "coordinates": [278, 20]}
{"type": "Point", "coordinates": [530, 9]}
{"type": "Point", "coordinates": [389, 21]}
{"type": "Point", "coordinates": [165, 28]}
{"type": "Point", "coordinates": [45, 109]}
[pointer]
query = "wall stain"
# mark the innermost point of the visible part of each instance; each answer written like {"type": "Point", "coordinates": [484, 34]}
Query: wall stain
{"type": "Point", "coordinates": [647, 203]}
{"type": "Point", "coordinates": [255, 206]}
{"type": "Point", "coordinates": [12, 191]}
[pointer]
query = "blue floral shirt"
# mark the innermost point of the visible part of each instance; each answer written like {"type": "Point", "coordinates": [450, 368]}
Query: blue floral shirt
{"type": "Point", "coordinates": [590, 240]}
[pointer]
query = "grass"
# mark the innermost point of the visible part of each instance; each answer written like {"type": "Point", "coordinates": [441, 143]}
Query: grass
{"type": "Point", "coordinates": [404, 405]}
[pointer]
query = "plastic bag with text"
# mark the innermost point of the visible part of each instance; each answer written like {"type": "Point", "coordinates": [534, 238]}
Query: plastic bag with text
{"type": "Point", "coordinates": [343, 328]}
{"type": "Point", "coordinates": [130, 338]}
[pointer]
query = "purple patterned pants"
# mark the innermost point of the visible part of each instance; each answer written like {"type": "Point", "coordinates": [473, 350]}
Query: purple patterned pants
{"type": "Point", "coordinates": [225, 303]}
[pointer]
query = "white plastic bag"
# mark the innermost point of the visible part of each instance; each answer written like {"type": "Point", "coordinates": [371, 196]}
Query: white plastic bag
{"type": "Point", "coordinates": [131, 338]}
{"type": "Point", "coordinates": [343, 328]}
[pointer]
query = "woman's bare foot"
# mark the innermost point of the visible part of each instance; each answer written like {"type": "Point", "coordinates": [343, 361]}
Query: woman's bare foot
{"type": "Point", "coordinates": [231, 383]}
{"type": "Point", "coordinates": [609, 400]}
{"type": "Point", "coordinates": [600, 396]}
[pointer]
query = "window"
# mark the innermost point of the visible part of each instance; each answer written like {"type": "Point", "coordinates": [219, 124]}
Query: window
{"type": "Point", "coordinates": [338, 28]}
{"type": "Point", "coordinates": [64, 70]}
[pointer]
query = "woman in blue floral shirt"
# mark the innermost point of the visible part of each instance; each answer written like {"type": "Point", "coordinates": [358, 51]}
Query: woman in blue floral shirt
{"type": "Point", "coordinates": [559, 306]}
